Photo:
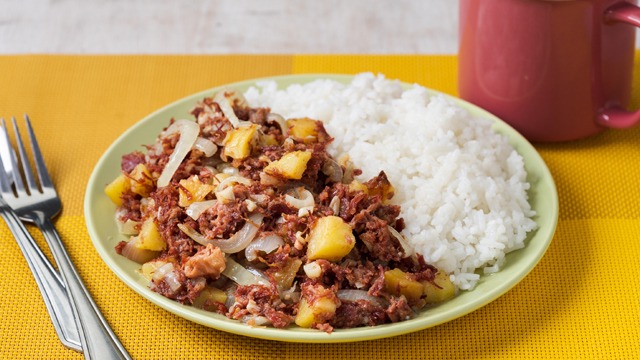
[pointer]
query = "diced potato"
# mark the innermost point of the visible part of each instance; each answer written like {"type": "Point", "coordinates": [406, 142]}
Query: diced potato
{"type": "Point", "coordinates": [331, 238]}
{"type": "Point", "coordinates": [303, 129]}
{"type": "Point", "coordinates": [305, 317]}
{"type": "Point", "coordinates": [290, 166]}
{"type": "Point", "coordinates": [444, 290]}
{"type": "Point", "coordinates": [116, 188]}
{"type": "Point", "coordinates": [150, 267]}
{"type": "Point", "coordinates": [217, 178]}
{"type": "Point", "coordinates": [149, 237]}
{"type": "Point", "coordinates": [380, 185]}
{"type": "Point", "coordinates": [141, 182]}
{"type": "Point", "coordinates": [237, 144]}
{"type": "Point", "coordinates": [356, 185]}
{"type": "Point", "coordinates": [208, 296]}
{"type": "Point", "coordinates": [309, 314]}
{"type": "Point", "coordinates": [268, 140]}
{"type": "Point", "coordinates": [196, 191]}
{"type": "Point", "coordinates": [397, 282]}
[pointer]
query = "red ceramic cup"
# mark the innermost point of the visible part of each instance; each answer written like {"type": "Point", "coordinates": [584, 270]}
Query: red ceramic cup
{"type": "Point", "coordinates": [554, 70]}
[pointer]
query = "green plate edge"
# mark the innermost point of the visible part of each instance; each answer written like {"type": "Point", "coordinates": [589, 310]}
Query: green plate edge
{"type": "Point", "coordinates": [99, 214]}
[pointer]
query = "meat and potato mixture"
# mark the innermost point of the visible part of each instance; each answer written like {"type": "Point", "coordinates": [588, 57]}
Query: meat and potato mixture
{"type": "Point", "coordinates": [244, 213]}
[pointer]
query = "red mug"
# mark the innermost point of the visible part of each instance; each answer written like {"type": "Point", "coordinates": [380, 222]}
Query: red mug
{"type": "Point", "coordinates": [554, 70]}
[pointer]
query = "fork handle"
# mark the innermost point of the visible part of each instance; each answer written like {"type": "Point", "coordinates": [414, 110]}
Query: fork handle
{"type": "Point", "coordinates": [49, 283]}
{"type": "Point", "coordinates": [98, 339]}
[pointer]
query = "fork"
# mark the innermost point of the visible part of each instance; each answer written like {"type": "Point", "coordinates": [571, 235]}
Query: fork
{"type": "Point", "coordinates": [39, 205]}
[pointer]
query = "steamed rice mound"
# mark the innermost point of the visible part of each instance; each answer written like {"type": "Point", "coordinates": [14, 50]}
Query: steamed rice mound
{"type": "Point", "coordinates": [462, 186]}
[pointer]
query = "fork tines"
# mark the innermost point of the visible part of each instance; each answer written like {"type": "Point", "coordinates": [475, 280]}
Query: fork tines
{"type": "Point", "coordinates": [43, 174]}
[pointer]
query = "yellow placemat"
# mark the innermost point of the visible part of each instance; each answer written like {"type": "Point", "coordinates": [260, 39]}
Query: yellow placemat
{"type": "Point", "coordinates": [581, 301]}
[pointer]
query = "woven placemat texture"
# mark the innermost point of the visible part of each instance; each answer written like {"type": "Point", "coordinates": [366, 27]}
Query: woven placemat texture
{"type": "Point", "coordinates": [581, 301]}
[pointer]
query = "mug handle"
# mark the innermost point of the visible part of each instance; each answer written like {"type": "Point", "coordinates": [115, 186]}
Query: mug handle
{"type": "Point", "coordinates": [617, 117]}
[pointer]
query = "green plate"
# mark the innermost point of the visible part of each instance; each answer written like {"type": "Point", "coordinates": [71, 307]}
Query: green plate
{"type": "Point", "coordinates": [99, 215]}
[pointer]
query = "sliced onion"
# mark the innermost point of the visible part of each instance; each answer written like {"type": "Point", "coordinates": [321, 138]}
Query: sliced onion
{"type": "Point", "coordinates": [255, 320]}
{"type": "Point", "coordinates": [146, 203]}
{"type": "Point", "coordinates": [242, 276]}
{"type": "Point", "coordinates": [211, 169]}
{"type": "Point", "coordinates": [259, 198]}
{"type": "Point", "coordinates": [207, 111]}
{"type": "Point", "coordinates": [188, 135]}
{"type": "Point", "coordinates": [335, 205]}
{"type": "Point", "coordinates": [278, 119]}
{"type": "Point", "coordinates": [313, 270]}
{"type": "Point", "coordinates": [291, 294]}
{"type": "Point", "coordinates": [166, 272]}
{"type": "Point", "coordinates": [226, 168]}
{"type": "Point", "coordinates": [212, 163]}
{"type": "Point", "coordinates": [231, 292]}
{"type": "Point", "coordinates": [150, 267]}
{"type": "Point", "coordinates": [303, 198]}
{"type": "Point", "coordinates": [132, 252]}
{"type": "Point", "coordinates": [194, 235]}
{"type": "Point", "coordinates": [197, 208]}
{"type": "Point", "coordinates": [199, 282]}
{"type": "Point", "coordinates": [266, 244]}
{"type": "Point", "coordinates": [235, 243]}
{"type": "Point", "coordinates": [233, 179]}
{"type": "Point", "coordinates": [236, 97]}
{"type": "Point", "coordinates": [225, 196]}
{"type": "Point", "coordinates": [128, 227]}
{"type": "Point", "coordinates": [206, 146]}
{"type": "Point", "coordinates": [333, 170]}
{"type": "Point", "coordinates": [225, 100]}
{"type": "Point", "coordinates": [406, 246]}
{"type": "Point", "coordinates": [241, 239]}
{"type": "Point", "coordinates": [172, 280]}
{"type": "Point", "coordinates": [266, 179]}
{"type": "Point", "coordinates": [305, 211]}
{"type": "Point", "coordinates": [251, 205]}
{"type": "Point", "coordinates": [345, 162]}
{"type": "Point", "coordinates": [355, 295]}
{"type": "Point", "coordinates": [161, 271]}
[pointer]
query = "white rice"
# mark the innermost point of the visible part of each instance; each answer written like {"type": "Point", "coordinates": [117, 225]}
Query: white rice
{"type": "Point", "coordinates": [462, 187]}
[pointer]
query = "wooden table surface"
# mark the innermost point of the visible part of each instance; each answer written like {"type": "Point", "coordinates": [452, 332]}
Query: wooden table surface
{"type": "Point", "coordinates": [228, 26]}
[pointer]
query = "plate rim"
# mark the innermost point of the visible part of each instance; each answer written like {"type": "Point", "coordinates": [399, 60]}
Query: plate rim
{"type": "Point", "coordinates": [201, 317]}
